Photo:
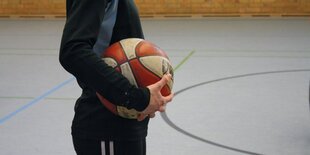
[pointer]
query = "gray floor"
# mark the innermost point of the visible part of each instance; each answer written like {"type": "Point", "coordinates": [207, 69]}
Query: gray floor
{"type": "Point", "coordinates": [242, 87]}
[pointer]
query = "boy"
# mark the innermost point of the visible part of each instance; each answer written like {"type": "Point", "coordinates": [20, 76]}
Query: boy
{"type": "Point", "coordinates": [91, 26]}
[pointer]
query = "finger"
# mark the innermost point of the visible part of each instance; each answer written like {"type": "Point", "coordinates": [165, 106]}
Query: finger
{"type": "Point", "coordinates": [169, 97]}
{"type": "Point", "coordinates": [163, 81]}
{"type": "Point", "coordinates": [141, 117]}
{"type": "Point", "coordinates": [152, 115]}
{"type": "Point", "coordinates": [162, 108]}
{"type": "Point", "coordinates": [169, 76]}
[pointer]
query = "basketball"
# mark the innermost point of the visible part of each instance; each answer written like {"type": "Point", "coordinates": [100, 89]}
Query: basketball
{"type": "Point", "coordinates": [142, 63]}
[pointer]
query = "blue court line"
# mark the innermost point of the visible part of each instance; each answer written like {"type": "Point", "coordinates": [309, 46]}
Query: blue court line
{"type": "Point", "coordinates": [35, 100]}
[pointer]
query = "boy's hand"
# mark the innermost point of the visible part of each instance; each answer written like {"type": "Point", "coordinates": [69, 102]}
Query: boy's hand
{"type": "Point", "coordinates": [157, 100]}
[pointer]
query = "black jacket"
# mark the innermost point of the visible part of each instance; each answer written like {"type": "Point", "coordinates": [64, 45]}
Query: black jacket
{"type": "Point", "coordinates": [87, 25]}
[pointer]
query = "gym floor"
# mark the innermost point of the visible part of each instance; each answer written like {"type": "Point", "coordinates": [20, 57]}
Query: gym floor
{"type": "Point", "coordinates": [241, 85]}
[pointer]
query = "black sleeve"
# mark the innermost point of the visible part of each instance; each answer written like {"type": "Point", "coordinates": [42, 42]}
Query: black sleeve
{"type": "Point", "coordinates": [77, 57]}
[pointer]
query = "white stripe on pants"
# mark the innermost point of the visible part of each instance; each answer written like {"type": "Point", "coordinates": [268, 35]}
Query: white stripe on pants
{"type": "Point", "coordinates": [103, 148]}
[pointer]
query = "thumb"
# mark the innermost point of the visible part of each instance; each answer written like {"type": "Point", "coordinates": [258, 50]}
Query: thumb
{"type": "Point", "coordinates": [163, 81]}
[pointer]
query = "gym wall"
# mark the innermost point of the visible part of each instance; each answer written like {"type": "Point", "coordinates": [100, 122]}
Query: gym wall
{"type": "Point", "coordinates": [169, 8]}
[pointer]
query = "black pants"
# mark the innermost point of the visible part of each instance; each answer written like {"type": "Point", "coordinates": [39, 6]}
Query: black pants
{"type": "Point", "coordinates": [96, 147]}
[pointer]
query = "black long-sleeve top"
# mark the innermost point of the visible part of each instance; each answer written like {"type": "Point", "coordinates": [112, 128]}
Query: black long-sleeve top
{"type": "Point", "coordinates": [91, 26]}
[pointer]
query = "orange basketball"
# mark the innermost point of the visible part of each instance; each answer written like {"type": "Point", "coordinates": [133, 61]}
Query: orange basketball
{"type": "Point", "coordinates": [142, 63]}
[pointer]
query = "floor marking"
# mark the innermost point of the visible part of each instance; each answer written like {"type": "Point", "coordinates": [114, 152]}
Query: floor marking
{"type": "Point", "coordinates": [35, 100]}
{"type": "Point", "coordinates": [27, 97]}
{"type": "Point", "coordinates": [184, 60]}
{"type": "Point", "coordinates": [179, 129]}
